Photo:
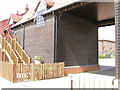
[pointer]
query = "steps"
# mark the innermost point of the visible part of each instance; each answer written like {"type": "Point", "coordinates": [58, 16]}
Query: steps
{"type": "Point", "coordinates": [13, 50]}
{"type": "Point", "coordinates": [17, 54]}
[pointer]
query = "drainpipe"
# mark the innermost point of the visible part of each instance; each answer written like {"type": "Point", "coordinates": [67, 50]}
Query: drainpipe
{"type": "Point", "coordinates": [117, 32]}
{"type": "Point", "coordinates": [57, 18]}
{"type": "Point", "coordinates": [55, 37]}
{"type": "Point", "coordinates": [23, 41]}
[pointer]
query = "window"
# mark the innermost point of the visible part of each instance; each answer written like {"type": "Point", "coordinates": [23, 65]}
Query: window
{"type": "Point", "coordinates": [40, 18]}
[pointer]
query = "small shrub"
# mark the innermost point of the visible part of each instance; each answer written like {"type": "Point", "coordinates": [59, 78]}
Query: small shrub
{"type": "Point", "coordinates": [101, 56]}
{"type": "Point", "coordinates": [38, 58]}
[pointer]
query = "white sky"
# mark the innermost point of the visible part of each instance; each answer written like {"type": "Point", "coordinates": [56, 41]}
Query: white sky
{"type": "Point", "coordinates": [8, 7]}
{"type": "Point", "coordinates": [107, 33]}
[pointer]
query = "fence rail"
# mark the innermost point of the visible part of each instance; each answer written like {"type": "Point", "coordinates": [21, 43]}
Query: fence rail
{"type": "Point", "coordinates": [23, 73]}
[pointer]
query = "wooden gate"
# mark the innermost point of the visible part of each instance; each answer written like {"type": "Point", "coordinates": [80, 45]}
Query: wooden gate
{"type": "Point", "coordinates": [87, 81]}
{"type": "Point", "coordinates": [22, 72]}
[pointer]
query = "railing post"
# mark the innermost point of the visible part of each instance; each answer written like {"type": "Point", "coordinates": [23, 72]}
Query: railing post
{"type": "Point", "coordinates": [32, 77]}
{"type": "Point", "coordinates": [15, 43]}
{"type": "Point", "coordinates": [17, 60]}
{"type": "Point", "coordinates": [10, 50]}
{"type": "Point", "coordinates": [21, 54]}
{"type": "Point", "coordinates": [30, 60]}
{"type": "Point", "coordinates": [4, 44]}
{"type": "Point", "coordinates": [4, 57]}
{"type": "Point", "coordinates": [14, 73]}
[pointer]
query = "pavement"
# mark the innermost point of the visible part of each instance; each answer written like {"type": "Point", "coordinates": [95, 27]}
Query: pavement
{"type": "Point", "coordinates": [107, 62]}
{"type": "Point", "coordinates": [107, 68]}
{"type": "Point", "coordinates": [63, 82]}
{"type": "Point", "coordinates": [102, 78]}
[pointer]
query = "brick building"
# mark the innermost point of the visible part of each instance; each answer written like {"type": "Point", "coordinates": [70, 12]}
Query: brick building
{"type": "Point", "coordinates": [3, 24]}
{"type": "Point", "coordinates": [69, 33]}
{"type": "Point", "coordinates": [106, 47]}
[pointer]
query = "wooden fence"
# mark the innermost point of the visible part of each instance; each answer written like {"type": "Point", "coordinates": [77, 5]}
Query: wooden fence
{"type": "Point", "coordinates": [8, 71]}
{"type": "Point", "coordinates": [46, 71]}
{"type": "Point", "coordinates": [23, 73]}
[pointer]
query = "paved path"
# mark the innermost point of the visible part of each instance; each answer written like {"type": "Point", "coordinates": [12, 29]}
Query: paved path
{"type": "Point", "coordinates": [107, 62]}
{"type": "Point", "coordinates": [50, 83]}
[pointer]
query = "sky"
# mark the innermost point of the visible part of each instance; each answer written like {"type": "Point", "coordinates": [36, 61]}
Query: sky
{"type": "Point", "coordinates": [8, 7]}
{"type": "Point", "coordinates": [107, 33]}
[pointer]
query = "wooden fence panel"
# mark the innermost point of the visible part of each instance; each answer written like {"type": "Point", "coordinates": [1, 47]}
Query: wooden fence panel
{"type": "Point", "coordinates": [47, 71]}
{"type": "Point", "coordinates": [23, 72]}
{"type": "Point", "coordinates": [7, 71]}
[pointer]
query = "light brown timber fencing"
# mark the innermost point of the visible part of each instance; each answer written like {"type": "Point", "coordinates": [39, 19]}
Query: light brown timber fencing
{"type": "Point", "coordinates": [8, 71]}
{"type": "Point", "coordinates": [46, 71]}
{"type": "Point", "coordinates": [23, 73]}
{"type": "Point", "coordinates": [10, 45]}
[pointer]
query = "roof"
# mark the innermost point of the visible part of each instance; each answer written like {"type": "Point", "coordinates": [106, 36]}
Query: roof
{"type": "Point", "coordinates": [31, 14]}
{"type": "Point", "coordinates": [60, 4]}
{"type": "Point", "coordinates": [106, 41]}
{"type": "Point", "coordinates": [49, 3]}
{"type": "Point", "coordinates": [16, 18]}
{"type": "Point", "coordinates": [28, 16]}
{"type": "Point", "coordinates": [4, 20]}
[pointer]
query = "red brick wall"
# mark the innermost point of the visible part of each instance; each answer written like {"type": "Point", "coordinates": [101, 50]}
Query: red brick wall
{"type": "Point", "coordinates": [2, 25]}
